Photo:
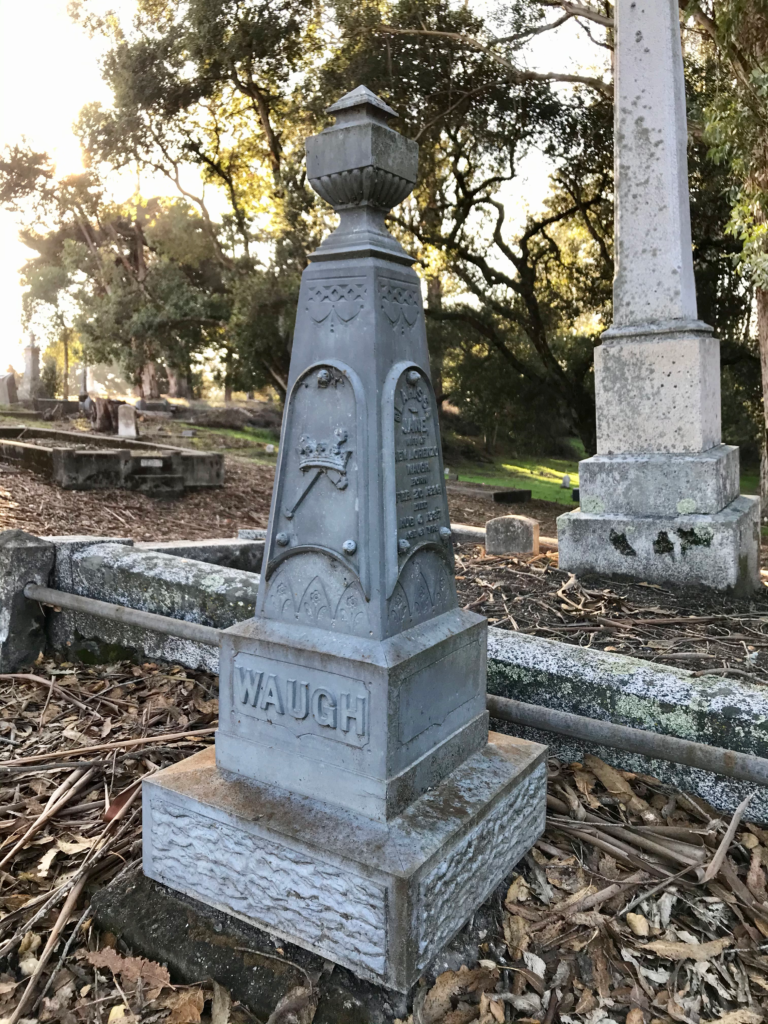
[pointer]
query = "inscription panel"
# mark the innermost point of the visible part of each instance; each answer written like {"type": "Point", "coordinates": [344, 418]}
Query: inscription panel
{"type": "Point", "coordinates": [420, 498]}
{"type": "Point", "coordinates": [306, 701]}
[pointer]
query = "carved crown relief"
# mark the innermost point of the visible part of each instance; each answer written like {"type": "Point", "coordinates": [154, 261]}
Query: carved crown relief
{"type": "Point", "coordinates": [337, 303]}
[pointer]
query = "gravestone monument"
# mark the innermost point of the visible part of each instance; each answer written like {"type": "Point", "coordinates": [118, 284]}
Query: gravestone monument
{"type": "Point", "coordinates": [8, 394]}
{"type": "Point", "coordinates": [660, 501]}
{"type": "Point", "coordinates": [30, 383]}
{"type": "Point", "coordinates": [126, 421]}
{"type": "Point", "coordinates": [356, 805]}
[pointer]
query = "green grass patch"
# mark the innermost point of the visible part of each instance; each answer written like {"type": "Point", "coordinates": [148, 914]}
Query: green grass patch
{"type": "Point", "coordinates": [540, 475]}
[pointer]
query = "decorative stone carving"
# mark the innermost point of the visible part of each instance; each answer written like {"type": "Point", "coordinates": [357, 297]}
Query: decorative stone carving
{"type": "Point", "coordinates": [336, 303]}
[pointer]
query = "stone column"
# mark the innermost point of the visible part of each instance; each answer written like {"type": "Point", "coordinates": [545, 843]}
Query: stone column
{"type": "Point", "coordinates": [30, 384]}
{"type": "Point", "coordinates": [356, 805]}
{"type": "Point", "coordinates": [660, 501]}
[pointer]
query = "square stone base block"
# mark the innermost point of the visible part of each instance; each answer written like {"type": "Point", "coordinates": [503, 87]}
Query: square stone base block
{"type": "Point", "coordinates": [660, 484]}
{"type": "Point", "coordinates": [379, 898]}
{"type": "Point", "coordinates": [719, 551]}
{"type": "Point", "coordinates": [659, 394]}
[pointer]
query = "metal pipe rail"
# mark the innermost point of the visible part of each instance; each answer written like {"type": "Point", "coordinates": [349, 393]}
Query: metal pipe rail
{"type": "Point", "coordinates": [732, 763]}
{"type": "Point", "coordinates": [127, 616]}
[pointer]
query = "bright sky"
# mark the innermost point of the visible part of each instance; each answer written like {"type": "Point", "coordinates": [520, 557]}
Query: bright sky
{"type": "Point", "coordinates": [49, 70]}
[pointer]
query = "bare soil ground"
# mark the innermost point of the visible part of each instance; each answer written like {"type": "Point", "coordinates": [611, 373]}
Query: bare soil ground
{"type": "Point", "coordinates": [639, 904]}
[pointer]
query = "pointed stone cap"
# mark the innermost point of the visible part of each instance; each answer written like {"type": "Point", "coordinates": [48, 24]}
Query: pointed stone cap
{"type": "Point", "coordinates": [359, 99]}
{"type": "Point", "coordinates": [360, 161]}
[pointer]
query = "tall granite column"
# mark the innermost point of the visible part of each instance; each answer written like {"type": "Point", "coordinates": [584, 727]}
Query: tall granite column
{"type": "Point", "coordinates": [660, 501]}
{"type": "Point", "coordinates": [356, 805]}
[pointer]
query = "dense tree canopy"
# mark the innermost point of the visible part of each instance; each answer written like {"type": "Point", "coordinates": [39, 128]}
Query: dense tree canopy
{"type": "Point", "coordinates": [516, 299]}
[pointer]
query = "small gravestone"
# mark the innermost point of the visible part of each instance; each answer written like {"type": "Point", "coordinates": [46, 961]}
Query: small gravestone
{"type": "Point", "coordinates": [566, 482]}
{"type": "Point", "coordinates": [126, 421]}
{"type": "Point", "coordinates": [356, 805]}
{"type": "Point", "coordinates": [8, 395]}
{"type": "Point", "coordinates": [512, 535]}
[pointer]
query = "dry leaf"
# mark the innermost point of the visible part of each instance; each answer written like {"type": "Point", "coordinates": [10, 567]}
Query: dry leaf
{"type": "Point", "coordinates": [186, 1006]}
{"type": "Point", "coordinates": [687, 951]}
{"type": "Point", "coordinates": [221, 1004]}
{"type": "Point", "coordinates": [742, 1016]}
{"type": "Point", "coordinates": [639, 925]}
{"type": "Point", "coordinates": [451, 984]}
{"type": "Point", "coordinates": [518, 891]}
{"type": "Point", "coordinates": [154, 977]}
{"type": "Point", "coordinates": [635, 1016]}
{"type": "Point", "coordinates": [296, 1007]}
{"type": "Point", "coordinates": [516, 936]}
{"type": "Point", "coordinates": [618, 787]}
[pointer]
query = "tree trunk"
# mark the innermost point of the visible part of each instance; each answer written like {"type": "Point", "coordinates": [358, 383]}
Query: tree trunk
{"type": "Point", "coordinates": [65, 382]}
{"type": "Point", "coordinates": [178, 386]}
{"type": "Point", "coordinates": [762, 340]}
{"type": "Point", "coordinates": [435, 305]}
{"type": "Point", "coordinates": [150, 386]}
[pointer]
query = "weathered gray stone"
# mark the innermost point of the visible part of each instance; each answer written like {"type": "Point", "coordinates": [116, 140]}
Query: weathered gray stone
{"type": "Point", "coordinates": [464, 534]}
{"type": "Point", "coordinates": [30, 382]}
{"type": "Point", "coordinates": [8, 395]}
{"type": "Point", "coordinates": [198, 941]}
{"type": "Point", "coordinates": [657, 372]}
{"type": "Point", "coordinates": [23, 559]}
{"type": "Point", "coordinates": [660, 485]}
{"type": "Point", "coordinates": [511, 535]}
{"type": "Point", "coordinates": [232, 552]}
{"type": "Point", "coordinates": [164, 584]}
{"type": "Point", "coordinates": [356, 807]}
{"type": "Point", "coordinates": [658, 394]}
{"type": "Point", "coordinates": [380, 899]}
{"type": "Point", "coordinates": [249, 534]}
{"type": "Point", "coordinates": [729, 713]}
{"type": "Point", "coordinates": [126, 421]}
{"type": "Point", "coordinates": [365, 724]}
{"type": "Point", "coordinates": [719, 551]}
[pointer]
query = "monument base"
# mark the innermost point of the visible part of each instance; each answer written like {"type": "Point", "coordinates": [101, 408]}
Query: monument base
{"type": "Point", "coordinates": [381, 899]}
{"type": "Point", "coordinates": [719, 551]}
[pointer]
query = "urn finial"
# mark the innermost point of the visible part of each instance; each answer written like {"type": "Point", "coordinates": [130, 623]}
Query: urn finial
{"type": "Point", "coordinates": [362, 168]}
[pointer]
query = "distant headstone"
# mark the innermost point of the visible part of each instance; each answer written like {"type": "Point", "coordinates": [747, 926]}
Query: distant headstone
{"type": "Point", "coordinates": [566, 482]}
{"type": "Point", "coordinates": [270, 449]}
{"type": "Point", "coordinates": [514, 496]}
{"type": "Point", "coordinates": [512, 535]}
{"type": "Point", "coordinates": [187, 433]}
{"type": "Point", "coordinates": [8, 395]}
{"type": "Point", "coordinates": [126, 421]}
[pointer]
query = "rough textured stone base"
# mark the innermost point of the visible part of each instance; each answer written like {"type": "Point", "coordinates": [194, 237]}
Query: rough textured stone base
{"type": "Point", "coordinates": [719, 551]}
{"type": "Point", "coordinates": [660, 484]}
{"type": "Point", "coordinates": [198, 942]}
{"type": "Point", "coordinates": [380, 899]}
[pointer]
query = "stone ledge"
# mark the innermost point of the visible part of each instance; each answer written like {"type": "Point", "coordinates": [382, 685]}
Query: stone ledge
{"type": "Point", "coordinates": [718, 551]}
{"type": "Point", "coordinates": [629, 691]}
{"type": "Point", "coordinates": [660, 484]}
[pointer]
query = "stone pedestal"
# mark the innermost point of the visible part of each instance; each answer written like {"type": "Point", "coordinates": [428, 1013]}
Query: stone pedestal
{"type": "Point", "coordinates": [660, 501]}
{"type": "Point", "coordinates": [355, 806]}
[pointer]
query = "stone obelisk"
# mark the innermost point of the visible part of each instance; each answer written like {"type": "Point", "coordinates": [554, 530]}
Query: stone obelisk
{"type": "Point", "coordinates": [660, 501]}
{"type": "Point", "coordinates": [356, 805]}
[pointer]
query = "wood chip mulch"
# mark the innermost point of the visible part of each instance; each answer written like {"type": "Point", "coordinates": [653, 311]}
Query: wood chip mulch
{"type": "Point", "coordinates": [640, 904]}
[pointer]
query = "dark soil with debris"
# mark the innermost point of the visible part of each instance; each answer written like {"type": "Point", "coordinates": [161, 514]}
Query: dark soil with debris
{"type": "Point", "coordinates": [639, 904]}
